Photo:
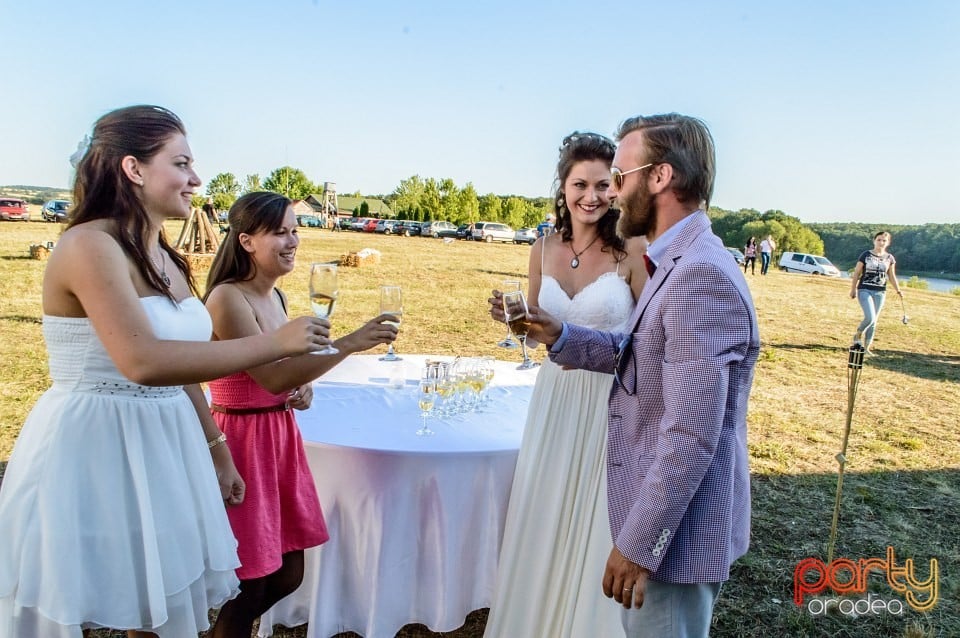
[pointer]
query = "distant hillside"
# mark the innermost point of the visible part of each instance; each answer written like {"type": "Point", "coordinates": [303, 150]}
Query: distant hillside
{"type": "Point", "coordinates": [35, 194]}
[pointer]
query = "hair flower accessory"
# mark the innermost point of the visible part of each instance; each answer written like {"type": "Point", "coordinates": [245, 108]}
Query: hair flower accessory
{"type": "Point", "coordinates": [82, 147]}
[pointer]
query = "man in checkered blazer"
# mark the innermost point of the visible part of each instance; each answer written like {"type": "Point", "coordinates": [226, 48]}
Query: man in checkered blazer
{"type": "Point", "coordinates": [678, 484]}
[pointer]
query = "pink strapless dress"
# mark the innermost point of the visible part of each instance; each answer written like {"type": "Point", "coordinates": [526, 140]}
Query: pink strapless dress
{"type": "Point", "coordinates": [281, 511]}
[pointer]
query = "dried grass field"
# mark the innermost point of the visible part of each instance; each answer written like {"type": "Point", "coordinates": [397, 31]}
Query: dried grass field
{"type": "Point", "coordinates": [902, 487]}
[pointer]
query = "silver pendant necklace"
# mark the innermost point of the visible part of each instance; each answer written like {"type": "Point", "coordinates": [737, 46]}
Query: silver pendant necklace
{"type": "Point", "coordinates": [575, 262]}
{"type": "Point", "coordinates": [163, 271]}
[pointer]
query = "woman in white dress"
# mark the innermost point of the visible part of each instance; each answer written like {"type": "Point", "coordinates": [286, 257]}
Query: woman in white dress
{"type": "Point", "coordinates": [110, 511]}
{"type": "Point", "coordinates": [557, 535]}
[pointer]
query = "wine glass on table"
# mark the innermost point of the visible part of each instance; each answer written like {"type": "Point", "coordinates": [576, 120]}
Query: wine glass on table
{"type": "Point", "coordinates": [509, 285]}
{"type": "Point", "coordinates": [391, 302]}
{"type": "Point", "coordinates": [426, 397]}
{"type": "Point", "coordinates": [323, 295]}
{"type": "Point", "coordinates": [515, 312]}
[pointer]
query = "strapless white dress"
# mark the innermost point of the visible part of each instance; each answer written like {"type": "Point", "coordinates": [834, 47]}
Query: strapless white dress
{"type": "Point", "coordinates": [110, 512]}
{"type": "Point", "coordinates": [557, 535]}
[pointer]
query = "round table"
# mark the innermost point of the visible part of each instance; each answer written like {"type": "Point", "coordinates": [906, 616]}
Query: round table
{"type": "Point", "coordinates": [415, 522]}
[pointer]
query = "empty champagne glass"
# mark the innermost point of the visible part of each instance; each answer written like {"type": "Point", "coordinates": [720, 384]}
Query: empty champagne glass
{"type": "Point", "coordinates": [426, 397]}
{"type": "Point", "coordinates": [323, 295]}
{"type": "Point", "coordinates": [509, 285]}
{"type": "Point", "coordinates": [515, 310]}
{"type": "Point", "coordinates": [391, 302]}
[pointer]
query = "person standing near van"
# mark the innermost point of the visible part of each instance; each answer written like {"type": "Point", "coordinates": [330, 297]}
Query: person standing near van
{"type": "Point", "coordinates": [869, 286]}
{"type": "Point", "coordinates": [766, 252]}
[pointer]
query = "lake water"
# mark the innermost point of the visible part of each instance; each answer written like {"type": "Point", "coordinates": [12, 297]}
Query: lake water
{"type": "Point", "coordinates": [935, 284]}
{"type": "Point", "coordinates": [940, 285]}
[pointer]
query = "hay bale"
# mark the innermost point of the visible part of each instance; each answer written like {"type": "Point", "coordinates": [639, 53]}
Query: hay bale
{"type": "Point", "coordinates": [39, 251]}
{"type": "Point", "coordinates": [365, 257]}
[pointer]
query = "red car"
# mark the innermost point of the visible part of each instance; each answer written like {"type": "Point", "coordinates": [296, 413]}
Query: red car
{"type": "Point", "coordinates": [13, 209]}
{"type": "Point", "coordinates": [370, 225]}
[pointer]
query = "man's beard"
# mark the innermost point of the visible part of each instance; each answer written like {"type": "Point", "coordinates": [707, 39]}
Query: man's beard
{"type": "Point", "coordinates": [637, 213]}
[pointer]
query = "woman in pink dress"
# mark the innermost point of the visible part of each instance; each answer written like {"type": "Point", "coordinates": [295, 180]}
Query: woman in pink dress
{"type": "Point", "coordinates": [280, 516]}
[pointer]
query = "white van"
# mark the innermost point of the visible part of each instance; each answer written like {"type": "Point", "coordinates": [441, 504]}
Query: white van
{"type": "Point", "coordinates": [810, 264]}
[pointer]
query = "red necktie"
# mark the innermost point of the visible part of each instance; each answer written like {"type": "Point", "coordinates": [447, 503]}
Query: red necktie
{"type": "Point", "coordinates": [651, 267]}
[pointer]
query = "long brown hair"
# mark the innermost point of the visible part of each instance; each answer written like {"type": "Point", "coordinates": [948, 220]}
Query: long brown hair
{"type": "Point", "coordinates": [253, 213]}
{"type": "Point", "coordinates": [101, 190]}
{"type": "Point", "coordinates": [584, 147]}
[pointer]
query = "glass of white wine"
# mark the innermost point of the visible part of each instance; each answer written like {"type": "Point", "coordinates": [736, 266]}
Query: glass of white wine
{"type": "Point", "coordinates": [509, 285]}
{"type": "Point", "coordinates": [426, 397]}
{"type": "Point", "coordinates": [323, 295]}
{"type": "Point", "coordinates": [391, 303]}
{"type": "Point", "coordinates": [515, 311]}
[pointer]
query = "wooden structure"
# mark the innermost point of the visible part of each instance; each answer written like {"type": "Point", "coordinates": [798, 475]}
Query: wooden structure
{"type": "Point", "coordinates": [198, 236]}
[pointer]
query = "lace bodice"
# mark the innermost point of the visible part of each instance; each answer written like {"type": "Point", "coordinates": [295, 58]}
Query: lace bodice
{"type": "Point", "coordinates": [79, 361]}
{"type": "Point", "coordinates": [606, 303]}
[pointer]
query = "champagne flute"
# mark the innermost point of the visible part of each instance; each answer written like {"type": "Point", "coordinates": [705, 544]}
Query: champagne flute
{"type": "Point", "coordinates": [426, 397]}
{"type": "Point", "coordinates": [323, 295]}
{"type": "Point", "coordinates": [487, 371]}
{"type": "Point", "coordinates": [515, 310]}
{"type": "Point", "coordinates": [509, 285]}
{"type": "Point", "coordinates": [391, 302]}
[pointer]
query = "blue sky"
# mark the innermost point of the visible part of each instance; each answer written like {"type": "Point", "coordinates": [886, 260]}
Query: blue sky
{"type": "Point", "coordinates": [830, 111]}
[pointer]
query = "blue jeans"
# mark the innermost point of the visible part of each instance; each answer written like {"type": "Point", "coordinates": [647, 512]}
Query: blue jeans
{"type": "Point", "coordinates": [872, 302]}
{"type": "Point", "coordinates": [764, 262]}
{"type": "Point", "coordinates": [672, 611]}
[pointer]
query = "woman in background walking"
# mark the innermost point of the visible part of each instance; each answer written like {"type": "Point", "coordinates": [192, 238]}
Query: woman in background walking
{"type": "Point", "coordinates": [869, 286]}
{"type": "Point", "coordinates": [750, 256]}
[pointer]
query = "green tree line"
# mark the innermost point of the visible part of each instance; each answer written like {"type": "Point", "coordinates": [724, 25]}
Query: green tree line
{"type": "Point", "coordinates": [930, 248]}
{"type": "Point", "coordinates": [431, 199]}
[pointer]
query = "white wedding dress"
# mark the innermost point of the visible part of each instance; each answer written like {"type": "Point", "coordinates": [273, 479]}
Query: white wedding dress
{"type": "Point", "coordinates": [557, 535]}
{"type": "Point", "coordinates": [110, 512]}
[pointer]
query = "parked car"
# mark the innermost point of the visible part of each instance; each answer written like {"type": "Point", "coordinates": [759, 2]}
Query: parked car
{"type": "Point", "coordinates": [737, 255]}
{"type": "Point", "coordinates": [438, 229]}
{"type": "Point", "coordinates": [385, 226]}
{"type": "Point", "coordinates": [492, 231]}
{"type": "Point", "coordinates": [370, 225]}
{"type": "Point", "coordinates": [55, 210]}
{"type": "Point", "coordinates": [525, 236]}
{"type": "Point", "coordinates": [544, 228]}
{"type": "Point", "coordinates": [811, 264]}
{"type": "Point", "coordinates": [407, 228]}
{"type": "Point", "coordinates": [356, 223]}
{"type": "Point", "coordinates": [13, 209]}
{"type": "Point", "coordinates": [464, 231]}
{"type": "Point", "coordinates": [311, 221]}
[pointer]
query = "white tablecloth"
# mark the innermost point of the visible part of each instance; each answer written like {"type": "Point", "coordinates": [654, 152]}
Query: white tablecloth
{"type": "Point", "coordinates": [415, 522]}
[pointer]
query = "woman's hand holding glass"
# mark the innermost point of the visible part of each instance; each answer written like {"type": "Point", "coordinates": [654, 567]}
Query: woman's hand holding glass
{"type": "Point", "coordinates": [379, 330]}
{"type": "Point", "coordinates": [509, 285]}
{"type": "Point", "coordinates": [516, 314]}
{"type": "Point", "coordinates": [324, 291]}
{"type": "Point", "coordinates": [303, 335]}
{"type": "Point", "coordinates": [391, 303]}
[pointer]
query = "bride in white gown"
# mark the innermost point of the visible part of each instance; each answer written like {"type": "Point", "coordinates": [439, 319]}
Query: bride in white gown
{"type": "Point", "coordinates": [557, 536]}
{"type": "Point", "coordinates": [110, 511]}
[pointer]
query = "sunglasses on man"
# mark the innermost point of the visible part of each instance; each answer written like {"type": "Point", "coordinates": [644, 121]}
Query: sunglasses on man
{"type": "Point", "coordinates": [617, 175]}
